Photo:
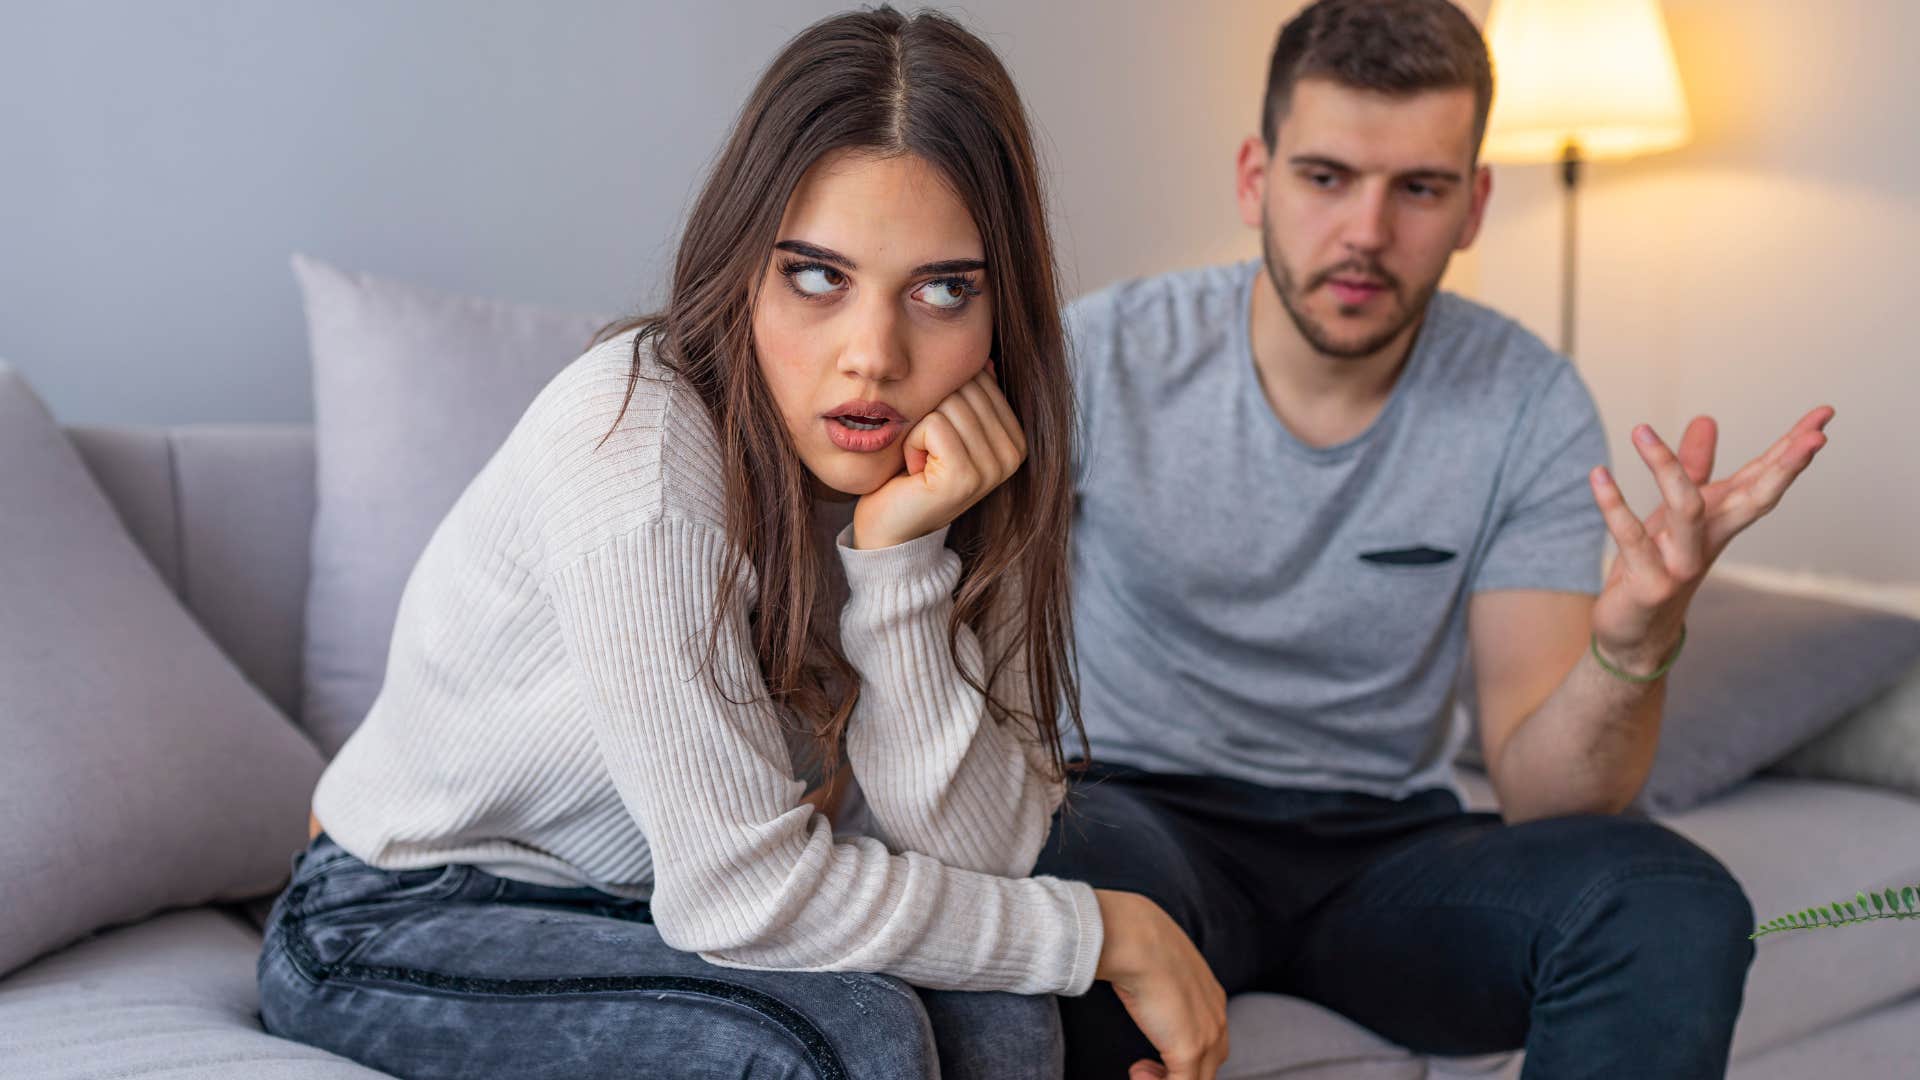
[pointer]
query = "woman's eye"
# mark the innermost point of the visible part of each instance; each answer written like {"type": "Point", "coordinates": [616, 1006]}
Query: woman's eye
{"type": "Point", "coordinates": [947, 295]}
{"type": "Point", "coordinates": [815, 280]}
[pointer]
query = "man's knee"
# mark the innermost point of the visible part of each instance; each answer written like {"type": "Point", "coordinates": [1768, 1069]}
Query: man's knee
{"type": "Point", "coordinates": [1659, 897]}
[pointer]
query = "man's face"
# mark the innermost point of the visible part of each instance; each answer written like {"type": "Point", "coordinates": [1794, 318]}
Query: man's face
{"type": "Point", "coordinates": [1360, 204]}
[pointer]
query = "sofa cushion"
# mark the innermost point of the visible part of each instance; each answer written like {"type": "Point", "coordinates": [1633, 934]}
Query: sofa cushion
{"type": "Point", "coordinates": [1878, 745]}
{"type": "Point", "coordinates": [172, 996]}
{"type": "Point", "coordinates": [1884, 1042]}
{"type": "Point", "coordinates": [1765, 671]}
{"type": "Point", "coordinates": [225, 514]}
{"type": "Point", "coordinates": [412, 391]}
{"type": "Point", "coordinates": [1795, 844]}
{"type": "Point", "coordinates": [142, 771]}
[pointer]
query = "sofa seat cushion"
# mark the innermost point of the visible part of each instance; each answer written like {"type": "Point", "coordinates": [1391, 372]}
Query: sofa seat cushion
{"type": "Point", "coordinates": [1276, 1037]}
{"type": "Point", "coordinates": [1885, 1042]}
{"type": "Point", "coordinates": [1794, 844]}
{"type": "Point", "coordinates": [172, 996]}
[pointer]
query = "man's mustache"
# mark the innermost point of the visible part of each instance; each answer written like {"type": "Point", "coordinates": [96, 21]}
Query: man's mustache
{"type": "Point", "coordinates": [1351, 269]}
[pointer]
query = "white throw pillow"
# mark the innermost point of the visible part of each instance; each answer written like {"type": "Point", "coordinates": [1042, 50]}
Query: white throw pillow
{"type": "Point", "coordinates": [413, 391]}
{"type": "Point", "coordinates": [142, 771]}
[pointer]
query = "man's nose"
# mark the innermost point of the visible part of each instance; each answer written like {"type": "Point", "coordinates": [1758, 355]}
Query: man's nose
{"type": "Point", "coordinates": [1369, 222]}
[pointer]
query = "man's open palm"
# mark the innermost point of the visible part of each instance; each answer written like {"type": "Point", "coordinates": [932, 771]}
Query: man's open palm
{"type": "Point", "coordinates": [1663, 560]}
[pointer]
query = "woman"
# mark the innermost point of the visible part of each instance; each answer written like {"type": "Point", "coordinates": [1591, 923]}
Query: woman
{"type": "Point", "coordinates": [807, 524]}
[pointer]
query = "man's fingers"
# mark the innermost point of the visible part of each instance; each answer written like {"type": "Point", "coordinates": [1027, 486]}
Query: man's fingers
{"type": "Point", "coordinates": [1758, 487]}
{"type": "Point", "coordinates": [1697, 446]}
{"type": "Point", "coordinates": [1816, 420]}
{"type": "Point", "coordinates": [1636, 548]}
{"type": "Point", "coordinates": [1754, 500]}
{"type": "Point", "coordinates": [1145, 1069]}
{"type": "Point", "coordinates": [1680, 543]}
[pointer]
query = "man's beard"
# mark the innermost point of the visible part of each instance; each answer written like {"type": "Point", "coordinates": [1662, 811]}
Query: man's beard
{"type": "Point", "coordinates": [1293, 299]}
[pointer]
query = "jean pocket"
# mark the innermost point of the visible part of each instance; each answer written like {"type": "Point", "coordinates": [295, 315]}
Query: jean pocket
{"type": "Point", "coordinates": [357, 905]}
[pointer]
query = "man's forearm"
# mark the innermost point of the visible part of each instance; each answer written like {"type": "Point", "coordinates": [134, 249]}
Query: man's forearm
{"type": "Point", "coordinates": [1587, 749]}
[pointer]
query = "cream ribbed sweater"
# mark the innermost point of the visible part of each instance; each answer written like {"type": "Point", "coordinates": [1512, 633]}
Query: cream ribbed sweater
{"type": "Point", "coordinates": [543, 717]}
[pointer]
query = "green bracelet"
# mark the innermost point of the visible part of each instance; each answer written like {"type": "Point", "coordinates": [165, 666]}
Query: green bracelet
{"type": "Point", "coordinates": [1640, 679]}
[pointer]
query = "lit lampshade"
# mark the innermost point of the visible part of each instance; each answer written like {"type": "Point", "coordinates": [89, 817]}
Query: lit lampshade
{"type": "Point", "coordinates": [1596, 74]}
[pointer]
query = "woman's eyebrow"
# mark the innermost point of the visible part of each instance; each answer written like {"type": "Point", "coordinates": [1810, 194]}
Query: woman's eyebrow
{"type": "Point", "coordinates": [814, 251]}
{"type": "Point", "coordinates": [828, 255]}
{"type": "Point", "coordinates": [951, 266]}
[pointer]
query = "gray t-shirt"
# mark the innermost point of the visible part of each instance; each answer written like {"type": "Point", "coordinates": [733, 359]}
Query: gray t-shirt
{"type": "Point", "coordinates": [1252, 607]}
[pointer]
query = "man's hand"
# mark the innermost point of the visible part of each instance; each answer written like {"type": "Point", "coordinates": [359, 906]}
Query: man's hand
{"type": "Point", "coordinates": [1638, 615]}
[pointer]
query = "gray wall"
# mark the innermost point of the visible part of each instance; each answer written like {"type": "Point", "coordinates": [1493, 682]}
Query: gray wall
{"type": "Point", "coordinates": [162, 160]}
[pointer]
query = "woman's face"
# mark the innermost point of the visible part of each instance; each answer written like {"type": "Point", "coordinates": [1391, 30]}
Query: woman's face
{"type": "Point", "coordinates": [872, 309]}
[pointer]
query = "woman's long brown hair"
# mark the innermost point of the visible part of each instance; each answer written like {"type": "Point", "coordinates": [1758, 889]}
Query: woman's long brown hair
{"type": "Point", "coordinates": [881, 82]}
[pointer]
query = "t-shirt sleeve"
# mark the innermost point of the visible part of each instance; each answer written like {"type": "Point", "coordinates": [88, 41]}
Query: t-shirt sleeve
{"type": "Point", "coordinates": [1090, 329]}
{"type": "Point", "coordinates": [1549, 533]}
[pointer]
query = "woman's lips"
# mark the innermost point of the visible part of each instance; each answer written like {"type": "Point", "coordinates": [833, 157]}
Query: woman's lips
{"type": "Point", "coordinates": [864, 427]}
{"type": "Point", "coordinates": [863, 439]}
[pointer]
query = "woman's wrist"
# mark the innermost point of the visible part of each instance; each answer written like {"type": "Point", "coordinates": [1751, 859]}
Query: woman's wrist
{"type": "Point", "coordinates": [1124, 915]}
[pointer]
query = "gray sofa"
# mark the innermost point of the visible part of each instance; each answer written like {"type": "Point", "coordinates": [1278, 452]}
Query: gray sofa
{"type": "Point", "coordinates": [225, 513]}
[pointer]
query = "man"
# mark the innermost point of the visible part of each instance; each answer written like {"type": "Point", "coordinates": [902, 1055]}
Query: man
{"type": "Point", "coordinates": [1312, 486]}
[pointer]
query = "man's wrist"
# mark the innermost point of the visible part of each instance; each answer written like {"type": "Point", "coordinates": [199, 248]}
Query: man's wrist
{"type": "Point", "coordinates": [1644, 661]}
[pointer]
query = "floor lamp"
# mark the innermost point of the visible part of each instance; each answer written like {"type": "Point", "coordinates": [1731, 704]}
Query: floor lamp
{"type": "Point", "coordinates": [1576, 81]}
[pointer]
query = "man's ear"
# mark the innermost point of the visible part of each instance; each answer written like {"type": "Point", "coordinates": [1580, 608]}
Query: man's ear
{"type": "Point", "coordinates": [1250, 180]}
{"type": "Point", "coordinates": [1482, 191]}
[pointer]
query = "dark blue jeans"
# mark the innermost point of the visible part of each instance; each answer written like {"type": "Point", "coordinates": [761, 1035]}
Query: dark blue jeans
{"type": "Point", "coordinates": [454, 972]}
{"type": "Point", "coordinates": [1605, 946]}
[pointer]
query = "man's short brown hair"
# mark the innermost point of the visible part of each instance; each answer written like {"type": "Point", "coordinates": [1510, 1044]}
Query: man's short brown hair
{"type": "Point", "coordinates": [1390, 46]}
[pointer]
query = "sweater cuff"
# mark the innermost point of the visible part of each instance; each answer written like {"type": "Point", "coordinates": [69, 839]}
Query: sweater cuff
{"type": "Point", "coordinates": [920, 560]}
{"type": "Point", "coordinates": [1089, 941]}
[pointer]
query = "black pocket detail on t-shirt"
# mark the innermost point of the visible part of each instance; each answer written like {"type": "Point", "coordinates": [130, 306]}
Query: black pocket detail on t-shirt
{"type": "Point", "coordinates": [1413, 556]}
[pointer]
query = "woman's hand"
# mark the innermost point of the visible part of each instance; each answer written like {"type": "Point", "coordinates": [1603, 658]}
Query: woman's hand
{"type": "Point", "coordinates": [1166, 986]}
{"type": "Point", "coordinates": [956, 455]}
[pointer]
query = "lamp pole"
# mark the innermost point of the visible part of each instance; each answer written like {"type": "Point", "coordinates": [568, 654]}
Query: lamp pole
{"type": "Point", "coordinates": [1570, 162]}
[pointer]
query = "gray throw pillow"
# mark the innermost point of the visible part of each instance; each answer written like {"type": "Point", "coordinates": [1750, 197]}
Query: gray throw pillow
{"type": "Point", "coordinates": [1878, 746]}
{"type": "Point", "coordinates": [1764, 671]}
{"type": "Point", "coordinates": [413, 391]}
{"type": "Point", "coordinates": [142, 771]}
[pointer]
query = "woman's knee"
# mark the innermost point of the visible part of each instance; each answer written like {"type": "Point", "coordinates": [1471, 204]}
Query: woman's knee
{"type": "Point", "coordinates": [875, 1025]}
{"type": "Point", "coordinates": [997, 1035]}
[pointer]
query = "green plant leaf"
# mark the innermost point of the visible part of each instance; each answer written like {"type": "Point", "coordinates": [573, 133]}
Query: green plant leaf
{"type": "Point", "coordinates": [1893, 899]}
{"type": "Point", "coordinates": [1906, 894]}
{"type": "Point", "coordinates": [1878, 904]}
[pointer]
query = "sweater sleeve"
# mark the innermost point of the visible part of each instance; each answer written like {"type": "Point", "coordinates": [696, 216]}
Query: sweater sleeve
{"type": "Point", "coordinates": [940, 776]}
{"type": "Point", "coordinates": [745, 874]}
